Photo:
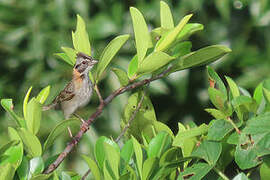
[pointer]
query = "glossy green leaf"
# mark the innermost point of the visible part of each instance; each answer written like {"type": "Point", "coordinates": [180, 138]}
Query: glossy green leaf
{"type": "Point", "coordinates": [71, 53]}
{"type": "Point", "coordinates": [233, 87]}
{"type": "Point", "coordinates": [33, 116]}
{"type": "Point", "coordinates": [188, 30]}
{"type": "Point", "coordinates": [219, 129]}
{"type": "Point", "coordinates": [100, 151]}
{"type": "Point", "coordinates": [138, 154]}
{"type": "Point", "coordinates": [8, 106]}
{"type": "Point", "coordinates": [149, 165]}
{"type": "Point", "coordinates": [92, 166]}
{"type": "Point", "coordinates": [7, 171]}
{"type": "Point", "coordinates": [113, 157]}
{"type": "Point", "coordinates": [196, 171]}
{"type": "Point", "coordinates": [144, 119]}
{"type": "Point", "coordinates": [240, 176]}
{"type": "Point", "coordinates": [209, 151]}
{"type": "Point", "coordinates": [165, 41]}
{"type": "Point", "coordinates": [36, 166]}
{"type": "Point", "coordinates": [153, 62]}
{"type": "Point", "coordinates": [201, 57]}
{"type": "Point", "coordinates": [265, 169]}
{"type": "Point", "coordinates": [23, 169]}
{"type": "Point", "coordinates": [58, 130]}
{"type": "Point", "coordinates": [66, 58]}
{"type": "Point", "coordinates": [142, 36]}
{"type": "Point", "coordinates": [181, 49]}
{"type": "Point", "coordinates": [25, 101]}
{"type": "Point", "coordinates": [31, 142]}
{"type": "Point", "coordinates": [44, 93]}
{"type": "Point", "coordinates": [158, 145]}
{"type": "Point", "coordinates": [121, 75]}
{"type": "Point", "coordinates": [80, 37]}
{"type": "Point", "coordinates": [127, 151]}
{"type": "Point", "coordinates": [166, 18]}
{"type": "Point", "coordinates": [109, 52]}
{"type": "Point", "coordinates": [133, 67]}
{"type": "Point", "coordinates": [182, 135]}
{"type": "Point", "coordinates": [213, 76]}
{"type": "Point", "coordinates": [217, 114]}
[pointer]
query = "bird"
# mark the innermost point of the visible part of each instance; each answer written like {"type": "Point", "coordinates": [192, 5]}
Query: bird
{"type": "Point", "coordinates": [77, 93]}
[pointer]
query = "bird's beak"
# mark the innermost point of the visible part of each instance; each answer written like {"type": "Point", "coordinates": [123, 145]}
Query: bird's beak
{"type": "Point", "coordinates": [93, 62]}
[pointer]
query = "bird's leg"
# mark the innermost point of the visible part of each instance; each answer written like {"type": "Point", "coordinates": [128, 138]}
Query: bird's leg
{"type": "Point", "coordinates": [84, 124]}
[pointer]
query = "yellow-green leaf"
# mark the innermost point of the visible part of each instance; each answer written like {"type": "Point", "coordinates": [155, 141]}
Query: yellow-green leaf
{"type": "Point", "coordinates": [166, 18]}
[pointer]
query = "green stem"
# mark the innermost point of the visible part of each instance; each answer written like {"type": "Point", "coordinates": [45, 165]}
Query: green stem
{"type": "Point", "coordinates": [221, 174]}
{"type": "Point", "coordinates": [234, 125]}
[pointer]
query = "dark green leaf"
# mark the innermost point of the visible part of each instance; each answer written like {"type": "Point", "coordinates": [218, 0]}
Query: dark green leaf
{"type": "Point", "coordinates": [213, 76]}
{"type": "Point", "coordinates": [58, 130]}
{"type": "Point", "coordinates": [209, 151]}
{"type": "Point", "coordinates": [109, 52]}
{"type": "Point", "coordinates": [196, 171]}
{"type": "Point", "coordinates": [218, 99]}
{"type": "Point", "coordinates": [121, 75]}
{"type": "Point", "coordinates": [219, 129]}
{"type": "Point", "coordinates": [265, 169]}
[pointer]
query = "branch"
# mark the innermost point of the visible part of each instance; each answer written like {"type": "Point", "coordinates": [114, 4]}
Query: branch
{"type": "Point", "coordinates": [91, 119]}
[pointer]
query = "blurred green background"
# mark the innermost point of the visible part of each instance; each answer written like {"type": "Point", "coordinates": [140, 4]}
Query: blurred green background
{"type": "Point", "coordinates": [32, 31]}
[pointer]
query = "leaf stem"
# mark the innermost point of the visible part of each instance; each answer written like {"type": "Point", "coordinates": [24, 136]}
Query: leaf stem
{"type": "Point", "coordinates": [234, 125]}
{"type": "Point", "coordinates": [221, 174]}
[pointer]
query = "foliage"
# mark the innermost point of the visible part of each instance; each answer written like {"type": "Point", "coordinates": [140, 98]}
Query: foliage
{"type": "Point", "coordinates": [239, 131]}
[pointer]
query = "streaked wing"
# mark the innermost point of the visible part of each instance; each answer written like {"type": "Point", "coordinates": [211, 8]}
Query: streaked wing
{"type": "Point", "coordinates": [66, 94]}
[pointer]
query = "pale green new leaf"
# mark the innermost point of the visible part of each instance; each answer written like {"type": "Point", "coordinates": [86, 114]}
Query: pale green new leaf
{"type": "Point", "coordinates": [142, 36]}
{"type": "Point", "coordinates": [233, 87]}
{"type": "Point", "coordinates": [33, 116]}
{"type": "Point", "coordinates": [71, 53]}
{"type": "Point", "coordinates": [121, 75]}
{"type": "Point", "coordinates": [133, 67]}
{"type": "Point", "coordinates": [65, 57]}
{"type": "Point", "coordinates": [109, 52]}
{"type": "Point", "coordinates": [80, 37]}
{"type": "Point", "coordinates": [25, 101]}
{"type": "Point", "coordinates": [93, 167]}
{"type": "Point", "coordinates": [166, 18]}
{"type": "Point", "coordinates": [44, 93]}
{"type": "Point", "coordinates": [138, 154]}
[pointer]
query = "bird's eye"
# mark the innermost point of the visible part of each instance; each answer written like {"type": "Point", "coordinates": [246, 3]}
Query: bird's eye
{"type": "Point", "coordinates": [84, 62]}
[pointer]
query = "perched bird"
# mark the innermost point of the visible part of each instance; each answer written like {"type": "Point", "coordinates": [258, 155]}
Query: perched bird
{"type": "Point", "coordinates": [78, 91]}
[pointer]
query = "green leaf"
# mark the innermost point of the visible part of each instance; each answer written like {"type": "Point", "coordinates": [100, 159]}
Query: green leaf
{"type": "Point", "coordinates": [218, 99]}
{"type": "Point", "coordinates": [133, 67]}
{"type": "Point", "coordinates": [65, 176]}
{"type": "Point", "coordinates": [170, 155]}
{"type": "Point", "coordinates": [100, 151]}
{"type": "Point", "coordinates": [25, 101]}
{"type": "Point", "coordinates": [138, 155]}
{"type": "Point", "coordinates": [161, 127]}
{"type": "Point", "coordinates": [246, 102]}
{"type": "Point", "coordinates": [42, 96]}
{"type": "Point", "coordinates": [121, 75]}
{"type": "Point", "coordinates": [36, 166]}
{"type": "Point", "coordinates": [196, 171]}
{"type": "Point", "coordinates": [80, 37]}
{"type": "Point", "coordinates": [144, 119]}
{"type": "Point", "coordinates": [234, 88]}
{"type": "Point", "coordinates": [182, 135]}
{"type": "Point", "coordinates": [219, 129]}
{"type": "Point", "coordinates": [8, 145]}
{"type": "Point", "coordinates": [31, 142]}
{"type": "Point", "coordinates": [213, 76]}
{"type": "Point", "coordinates": [201, 57]}
{"type": "Point", "coordinates": [58, 130]}
{"type": "Point", "coordinates": [188, 30]}
{"type": "Point", "coordinates": [108, 174]}
{"type": "Point", "coordinates": [181, 49]}
{"type": "Point", "coordinates": [33, 116]}
{"type": "Point", "coordinates": [71, 53]}
{"type": "Point", "coordinates": [113, 157]}
{"type": "Point", "coordinates": [109, 52]}
{"type": "Point", "coordinates": [265, 169]}
{"type": "Point", "coordinates": [7, 171]}
{"type": "Point", "coordinates": [142, 36]}
{"type": "Point", "coordinates": [166, 40]}
{"type": "Point", "coordinates": [127, 151]}
{"type": "Point", "coordinates": [258, 93]}
{"type": "Point", "coordinates": [148, 167]}
{"type": "Point", "coordinates": [153, 62]}
{"type": "Point", "coordinates": [209, 151]}
{"type": "Point", "coordinates": [23, 169]}
{"type": "Point", "coordinates": [217, 114]}
{"type": "Point", "coordinates": [158, 145]}
{"type": "Point", "coordinates": [266, 94]}
{"type": "Point", "coordinates": [241, 176]}
{"type": "Point", "coordinates": [166, 18]}
{"type": "Point", "coordinates": [8, 106]}
{"type": "Point", "coordinates": [41, 177]}
{"type": "Point", "coordinates": [92, 166]}
{"type": "Point", "coordinates": [66, 58]}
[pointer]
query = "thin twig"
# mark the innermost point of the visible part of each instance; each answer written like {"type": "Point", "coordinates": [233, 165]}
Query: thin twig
{"type": "Point", "coordinates": [132, 117]}
{"type": "Point", "coordinates": [86, 174]}
{"type": "Point", "coordinates": [98, 93]}
{"type": "Point", "coordinates": [98, 111]}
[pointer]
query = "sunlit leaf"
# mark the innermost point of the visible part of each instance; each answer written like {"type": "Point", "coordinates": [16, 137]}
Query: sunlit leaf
{"type": "Point", "coordinates": [33, 116]}
{"type": "Point", "coordinates": [44, 93]}
{"type": "Point", "coordinates": [166, 18]}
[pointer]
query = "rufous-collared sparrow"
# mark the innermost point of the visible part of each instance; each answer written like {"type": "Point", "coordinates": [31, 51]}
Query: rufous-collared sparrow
{"type": "Point", "coordinates": [78, 91]}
